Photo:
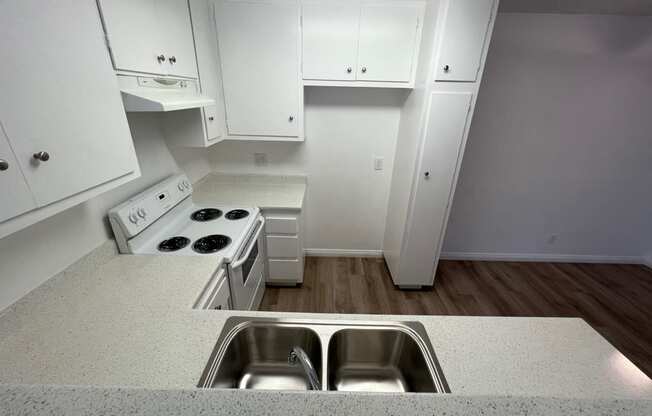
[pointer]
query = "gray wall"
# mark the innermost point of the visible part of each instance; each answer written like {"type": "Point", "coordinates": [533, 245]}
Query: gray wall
{"type": "Point", "coordinates": [559, 160]}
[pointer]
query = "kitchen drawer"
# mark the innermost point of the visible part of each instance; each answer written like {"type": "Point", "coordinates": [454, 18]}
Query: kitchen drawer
{"type": "Point", "coordinates": [283, 246]}
{"type": "Point", "coordinates": [282, 225]}
{"type": "Point", "coordinates": [284, 271]}
{"type": "Point", "coordinates": [221, 298]}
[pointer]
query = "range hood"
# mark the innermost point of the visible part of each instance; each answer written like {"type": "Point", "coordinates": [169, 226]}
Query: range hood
{"type": "Point", "coordinates": [150, 94]}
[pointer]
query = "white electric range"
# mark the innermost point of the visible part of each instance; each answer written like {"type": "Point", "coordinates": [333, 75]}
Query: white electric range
{"type": "Point", "coordinates": [163, 220]}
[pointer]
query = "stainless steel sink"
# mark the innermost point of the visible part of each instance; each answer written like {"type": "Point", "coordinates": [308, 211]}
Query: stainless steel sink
{"type": "Point", "coordinates": [252, 353]}
{"type": "Point", "coordinates": [369, 359]}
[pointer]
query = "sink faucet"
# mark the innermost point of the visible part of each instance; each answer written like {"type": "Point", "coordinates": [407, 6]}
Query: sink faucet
{"type": "Point", "coordinates": [298, 354]}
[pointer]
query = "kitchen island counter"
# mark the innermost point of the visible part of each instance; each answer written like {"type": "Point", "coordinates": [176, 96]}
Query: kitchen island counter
{"type": "Point", "coordinates": [119, 320]}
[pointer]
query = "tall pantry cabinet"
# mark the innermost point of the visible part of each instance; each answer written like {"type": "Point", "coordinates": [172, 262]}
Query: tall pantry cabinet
{"type": "Point", "coordinates": [432, 136]}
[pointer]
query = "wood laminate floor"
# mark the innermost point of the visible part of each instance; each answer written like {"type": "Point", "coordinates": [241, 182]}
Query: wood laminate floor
{"type": "Point", "coordinates": [615, 299]}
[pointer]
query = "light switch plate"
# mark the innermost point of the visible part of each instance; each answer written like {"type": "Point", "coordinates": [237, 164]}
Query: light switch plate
{"type": "Point", "coordinates": [379, 163]}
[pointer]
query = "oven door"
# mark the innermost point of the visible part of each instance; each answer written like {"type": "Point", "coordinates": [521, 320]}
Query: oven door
{"type": "Point", "coordinates": [246, 272]}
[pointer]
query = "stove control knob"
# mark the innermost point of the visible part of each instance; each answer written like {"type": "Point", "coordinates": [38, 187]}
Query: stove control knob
{"type": "Point", "coordinates": [133, 218]}
{"type": "Point", "coordinates": [186, 184]}
{"type": "Point", "coordinates": [142, 213]}
{"type": "Point", "coordinates": [181, 187]}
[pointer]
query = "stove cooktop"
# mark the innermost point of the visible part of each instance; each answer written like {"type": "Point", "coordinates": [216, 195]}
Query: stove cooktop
{"type": "Point", "coordinates": [190, 230]}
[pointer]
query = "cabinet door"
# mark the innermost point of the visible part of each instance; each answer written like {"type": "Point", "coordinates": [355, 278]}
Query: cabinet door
{"type": "Point", "coordinates": [388, 35]}
{"type": "Point", "coordinates": [441, 153]}
{"type": "Point", "coordinates": [133, 31]}
{"type": "Point", "coordinates": [259, 50]}
{"type": "Point", "coordinates": [467, 24]}
{"type": "Point", "coordinates": [330, 40]}
{"type": "Point", "coordinates": [17, 198]}
{"type": "Point", "coordinates": [176, 37]}
{"type": "Point", "coordinates": [60, 95]}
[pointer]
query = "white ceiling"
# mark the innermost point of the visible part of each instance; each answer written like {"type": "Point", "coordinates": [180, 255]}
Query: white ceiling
{"type": "Point", "coordinates": [624, 7]}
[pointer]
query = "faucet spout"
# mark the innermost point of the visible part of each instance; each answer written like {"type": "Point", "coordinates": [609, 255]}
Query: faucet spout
{"type": "Point", "coordinates": [297, 354]}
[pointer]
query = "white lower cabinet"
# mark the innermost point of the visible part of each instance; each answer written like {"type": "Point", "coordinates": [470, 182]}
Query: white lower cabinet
{"type": "Point", "coordinates": [221, 299]}
{"type": "Point", "coordinates": [282, 245]}
{"type": "Point", "coordinates": [284, 237]}
{"type": "Point", "coordinates": [284, 270]}
{"type": "Point", "coordinates": [445, 135]}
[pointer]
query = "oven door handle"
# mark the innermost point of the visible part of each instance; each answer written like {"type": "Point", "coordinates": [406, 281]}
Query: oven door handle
{"type": "Point", "coordinates": [252, 243]}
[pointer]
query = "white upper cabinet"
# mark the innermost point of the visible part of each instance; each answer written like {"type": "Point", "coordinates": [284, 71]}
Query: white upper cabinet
{"type": "Point", "coordinates": [150, 36]}
{"type": "Point", "coordinates": [18, 198]}
{"type": "Point", "coordinates": [330, 40]}
{"type": "Point", "coordinates": [259, 47]}
{"type": "Point", "coordinates": [61, 107]}
{"type": "Point", "coordinates": [200, 127]}
{"type": "Point", "coordinates": [363, 42]}
{"type": "Point", "coordinates": [467, 25]}
{"type": "Point", "coordinates": [388, 36]}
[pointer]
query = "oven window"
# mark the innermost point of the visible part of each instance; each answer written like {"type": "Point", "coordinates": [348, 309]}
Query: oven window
{"type": "Point", "coordinates": [249, 263]}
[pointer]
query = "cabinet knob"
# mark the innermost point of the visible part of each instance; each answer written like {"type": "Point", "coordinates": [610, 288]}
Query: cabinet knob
{"type": "Point", "coordinates": [426, 174]}
{"type": "Point", "coordinates": [349, 70]}
{"type": "Point", "coordinates": [218, 308]}
{"type": "Point", "coordinates": [364, 69]}
{"type": "Point", "coordinates": [42, 156]}
{"type": "Point", "coordinates": [160, 58]}
{"type": "Point", "coordinates": [291, 119]}
{"type": "Point", "coordinates": [173, 59]}
{"type": "Point", "coordinates": [447, 68]}
{"type": "Point", "coordinates": [211, 118]}
{"type": "Point", "coordinates": [4, 165]}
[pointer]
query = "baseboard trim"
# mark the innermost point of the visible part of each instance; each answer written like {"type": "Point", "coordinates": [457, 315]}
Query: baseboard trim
{"type": "Point", "coordinates": [548, 258]}
{"type": "Point", "coordinates": [328, 252]}
{"type": "Point", "coordinates": [648, 261]}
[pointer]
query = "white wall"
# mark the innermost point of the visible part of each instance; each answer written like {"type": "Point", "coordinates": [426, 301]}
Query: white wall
{"type": "Point", "coordinates": [345, 128]}
{"type": "Point", "coordinates": [33, 255]}
{"type": "Point", "coordinates": [559, 160]}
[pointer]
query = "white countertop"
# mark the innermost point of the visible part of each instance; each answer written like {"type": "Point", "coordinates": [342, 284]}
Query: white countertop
{"type": "Point", "coordinates": [121, 320]}
{"type": "Point", "coordinates": [263, 191]}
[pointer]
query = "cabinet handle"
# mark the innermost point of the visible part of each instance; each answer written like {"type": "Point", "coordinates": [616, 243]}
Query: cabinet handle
{"type": "Point", "coordinates": [173, 59]}
{"type": "Point", "coordinates": [4, 165]}
{"type": "Point", "coordinates": [447, 68]}
{"type": "Point", "coordinates": [218, 308]}
{"type": "Point", "coordinates": [42, 156]}
{"type": "Point", "coordinates": [364, 69]}
{"type": "Point", "coordinates": [160, 58]}
{"type": "Point", "coordinates": [349, 70]}
{"type": "Point", "coordinates": [291, 119]}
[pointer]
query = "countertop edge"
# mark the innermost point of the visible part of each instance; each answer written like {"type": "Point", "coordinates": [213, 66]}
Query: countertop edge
{"type": "Point", "coordinates": [65, 400]}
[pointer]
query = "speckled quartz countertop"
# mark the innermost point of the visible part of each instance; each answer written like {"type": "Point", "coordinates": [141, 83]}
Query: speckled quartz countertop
{"type": "Point", "coordinates": [127, 321]}
{"type": "Point", "coordinates": [265, 192]}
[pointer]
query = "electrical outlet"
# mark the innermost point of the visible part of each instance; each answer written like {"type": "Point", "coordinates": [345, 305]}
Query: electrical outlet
{"type": "Point", "coordinates": [260, 159]}
{"type": "Point", "coordinates": [379, 163]}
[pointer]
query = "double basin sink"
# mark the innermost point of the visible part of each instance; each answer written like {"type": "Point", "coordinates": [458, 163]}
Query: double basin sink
{"type": "Point", "coordinates": [344, 355]}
